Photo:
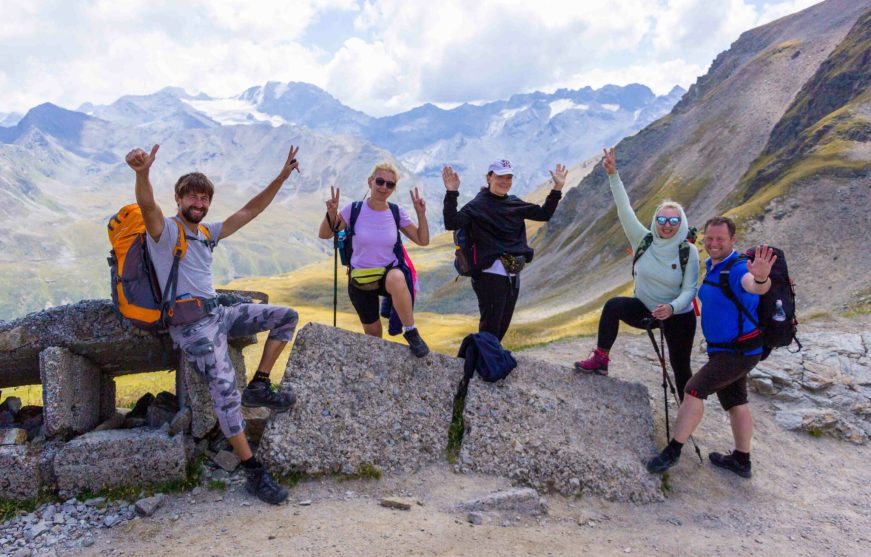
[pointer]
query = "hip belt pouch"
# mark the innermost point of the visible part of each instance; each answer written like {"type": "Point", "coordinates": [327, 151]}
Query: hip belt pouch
{"type": "Point", "coordinates": [367, 279]}
{"type": "Point", "coordinates": [513, 263]}
{"type": "Point", "coordinates": [189, 310]}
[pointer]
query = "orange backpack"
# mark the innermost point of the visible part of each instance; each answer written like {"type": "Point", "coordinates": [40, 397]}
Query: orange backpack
{"type": "Point", "coordinates": [136, 291]}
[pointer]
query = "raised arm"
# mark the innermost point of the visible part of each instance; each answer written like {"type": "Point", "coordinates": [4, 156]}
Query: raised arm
{"type": "Point", "coordinates": [756, 280]}
{"type": "Point", "coordinates": [418, 233]}
{"type": "Point", "coordinates": [453, 220]}
{"type": "Point", "coordinates": [141, 162]}
{"type": "Point", "coordinates": [262, 200]}
{"type": "Point", "coordinates": [542, 213]}
{"type": "Point", "coordinates": [332, 220]}
{"type": "Point", "coordinates": [632, 227]}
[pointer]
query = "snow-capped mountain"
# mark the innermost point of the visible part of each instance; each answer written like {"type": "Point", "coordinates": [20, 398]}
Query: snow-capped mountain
{"type": "Point", "coordinates": [62, 172]}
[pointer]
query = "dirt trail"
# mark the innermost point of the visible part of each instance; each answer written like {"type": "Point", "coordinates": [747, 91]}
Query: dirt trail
{"type": "Point", "coordinates": [808, 496]}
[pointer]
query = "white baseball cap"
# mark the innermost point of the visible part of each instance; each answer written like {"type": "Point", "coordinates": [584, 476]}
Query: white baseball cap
{"type": "Point", "coordinates": [501, 167]}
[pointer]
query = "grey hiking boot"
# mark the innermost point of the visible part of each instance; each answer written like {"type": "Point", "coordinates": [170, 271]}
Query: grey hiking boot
{"type": "Point", "coordinates": [260, 393]}
{"type": "Point", "coordinates": [417, 345]}
{"type": "Point", "coordinates": [263, 485]}
{"type": "Point", "coordinates": [663, 461]}
{"type": "Point", "coordinates": [729, 462]}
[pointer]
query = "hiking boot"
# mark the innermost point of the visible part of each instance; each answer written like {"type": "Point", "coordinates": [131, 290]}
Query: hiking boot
{"type": "Point", "coordinates": [260, 393]}
{"type": "Point", "coordinates": [417, 345]}
{"type": "Point", "coordinates": [729, 462]}
{"type": "Point", "coordinates": [663, 461]}
{"type": "Point", "coordinates": [597, 363]}
{"type": "Point", "coordinates": [263, 485]}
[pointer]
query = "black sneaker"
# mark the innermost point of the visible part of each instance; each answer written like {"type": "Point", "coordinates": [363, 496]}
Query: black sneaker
{"type": "Point", "coordinates": [663, 461]}
{"type": "Point", "coordinates": [729, 462]}
{"type": "Point", "coordinates": [263, 485]}
{"type": "Point", "coordinates": [417, 345]}
{"type": "Point", "coordinates": [260, 393]}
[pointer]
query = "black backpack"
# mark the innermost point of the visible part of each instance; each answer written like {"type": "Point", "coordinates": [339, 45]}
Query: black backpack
{"type": "Point", "coordinates": [465, 253]}
{"type": "Point", "coordinates": [483, 352]}
{"type": "Point", "coordinates": [776, 333]}
{"type": "Point", "coordinates": [683, 250]}
{"type": "Point", "coordinates": [344, 240]}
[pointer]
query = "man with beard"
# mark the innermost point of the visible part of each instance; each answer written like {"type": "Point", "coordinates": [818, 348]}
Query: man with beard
{"type": "Point", "coordinates": [198, 325]}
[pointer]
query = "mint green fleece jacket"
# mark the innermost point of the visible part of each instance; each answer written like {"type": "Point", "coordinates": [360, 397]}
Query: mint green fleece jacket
{"type": "Point", "coordinates": [658, 279]}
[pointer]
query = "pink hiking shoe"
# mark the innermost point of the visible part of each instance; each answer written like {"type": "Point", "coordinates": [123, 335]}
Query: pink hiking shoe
{"type": "Point", "coordinates": [597, 363]}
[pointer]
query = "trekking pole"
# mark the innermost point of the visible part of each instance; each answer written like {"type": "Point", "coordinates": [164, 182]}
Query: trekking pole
{"type": "Point", "coordinates": [335, 274]}
{"type": "Point", "coordinates": [666, 378]}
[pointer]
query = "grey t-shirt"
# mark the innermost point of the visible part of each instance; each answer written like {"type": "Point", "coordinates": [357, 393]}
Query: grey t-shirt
{"type": "Point", "coordinates": [195, 268]}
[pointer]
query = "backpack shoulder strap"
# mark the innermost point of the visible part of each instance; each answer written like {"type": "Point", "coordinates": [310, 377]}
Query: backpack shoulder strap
{"type": "Point", "coordinates": [398, 250]}
{"type": "Point", "coordinates": [684, 256]}
{"type": "Point", "coordinates": [642, 247]}
{"type": "Point", "coordinates": [723, 284]}
{"type": "Point", "coordinates": [356, 207]}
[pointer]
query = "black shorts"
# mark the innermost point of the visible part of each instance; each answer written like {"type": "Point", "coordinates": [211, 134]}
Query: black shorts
{"type": "Point", "coordinates": [367, 302]}
{"type": "Point", "coordinates": [724, 374]}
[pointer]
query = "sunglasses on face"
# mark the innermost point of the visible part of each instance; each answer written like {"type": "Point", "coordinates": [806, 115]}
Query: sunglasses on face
{"type": "Point", "coordinates": [674, 221]}
{"type": "Point", "coordinates": [382, 182]}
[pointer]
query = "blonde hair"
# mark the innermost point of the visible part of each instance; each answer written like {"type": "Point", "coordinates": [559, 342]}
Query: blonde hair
{"type": "Point", "coordinates": [384, 165]}
{"type": "Point", "coordinates": [668, 204]}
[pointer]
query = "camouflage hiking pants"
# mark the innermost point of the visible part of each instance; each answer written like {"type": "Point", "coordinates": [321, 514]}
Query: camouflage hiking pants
{"type": "Point", "coordinates": [204, 344]}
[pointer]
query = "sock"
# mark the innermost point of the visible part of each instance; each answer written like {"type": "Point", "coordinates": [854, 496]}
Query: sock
{"type": "Point", "coordinates": [260, 376]}
{"type": "Point", "coordinates": [251, 463]}
{"type": "Point", "coordinates": [675, 447]}
{"type": "Point", "coordinates": [741, 457]}
{"type": "Point", "coordinates": [409, 328]}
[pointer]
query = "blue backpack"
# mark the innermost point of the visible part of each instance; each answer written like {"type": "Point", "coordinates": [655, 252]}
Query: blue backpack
{"type": "Point", "coordinates": [483, 352]}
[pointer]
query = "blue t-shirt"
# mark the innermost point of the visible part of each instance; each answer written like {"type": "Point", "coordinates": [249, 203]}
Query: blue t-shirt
{"type": "Point", "coordinates": [719, 315]}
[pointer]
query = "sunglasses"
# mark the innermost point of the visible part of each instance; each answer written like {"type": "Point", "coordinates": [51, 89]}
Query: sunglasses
{"type": "Point", "coordinates": [382, 182]}
{"type": "Point", "coordinates": [674, 221]}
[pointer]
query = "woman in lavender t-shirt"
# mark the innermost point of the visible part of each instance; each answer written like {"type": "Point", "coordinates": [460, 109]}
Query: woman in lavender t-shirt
{"type": "Point", "coordinates": [373, 242]}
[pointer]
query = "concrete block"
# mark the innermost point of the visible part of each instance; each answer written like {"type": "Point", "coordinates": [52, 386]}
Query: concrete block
{"type": "Point", "coordinates": [203, 418]}
{"type": "Point", "coordinates": [107, 397]}
{"type": "Point", "coordinates": [19, 472]}
{"type": "Point", "coordinates": [555, 430]}
{"type": "Point", "coordinates": [115, 458]}
{"type": "Point", "coordinates": [70, 392]}
{"type": "Point", "coordinates": [361, 401]}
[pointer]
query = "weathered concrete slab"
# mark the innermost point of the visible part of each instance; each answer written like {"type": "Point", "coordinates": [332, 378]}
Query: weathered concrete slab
{"type": "Point", "coordinates": [90, 328]}
{"type": "Point", "coordinates": [19, 472]}
{"type": "Point", "coordinates": [203, 417]}
{"type": "Point", "coordinates": [107, 397]}
{"type": "Point", "coordinates": [556, 430]}
{"type": "Point", "coordinates": [361, 401]}
{"type": "Point", "coordinates": [71, 392]}
{"type": "Point", "coordinates": [103, 459]}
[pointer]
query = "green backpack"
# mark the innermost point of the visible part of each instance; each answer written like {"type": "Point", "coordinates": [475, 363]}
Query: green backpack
{"type": "Point", "coordinates": [683, 250]}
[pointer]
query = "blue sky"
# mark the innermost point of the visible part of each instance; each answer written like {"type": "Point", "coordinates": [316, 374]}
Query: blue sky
{"type": "Point", "coordinates": [379, 56]}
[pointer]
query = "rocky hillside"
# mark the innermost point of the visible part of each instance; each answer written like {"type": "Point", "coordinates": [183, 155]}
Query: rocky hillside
{"type": "Point", "coordinates": [775, 134]}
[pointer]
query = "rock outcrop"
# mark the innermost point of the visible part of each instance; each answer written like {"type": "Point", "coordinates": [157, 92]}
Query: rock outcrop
{"type": "Point", "coordinates": [556, 430]}
{"type": "Point", "coordinates": [361, 402]}
{"type": "Point", "coordinates": [366, 404]}
{"type": "Point", "coordinates": [824, 389]}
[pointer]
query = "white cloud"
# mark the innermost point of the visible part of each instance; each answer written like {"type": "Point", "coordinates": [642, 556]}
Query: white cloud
{"type": "Point", "coordinates": [402, 53]}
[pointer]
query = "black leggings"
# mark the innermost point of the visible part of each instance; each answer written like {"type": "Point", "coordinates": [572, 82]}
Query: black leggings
{"type": "Point", "coordinates": [497, 295]}
{"type": "Point", "coordinates": [679, 330]}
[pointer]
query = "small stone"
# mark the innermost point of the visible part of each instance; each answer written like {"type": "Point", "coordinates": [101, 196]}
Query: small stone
{"type": "Point", "coordinates": [475, 518]}
{"type": "Point", "coordinates": [87, 541]}
{"type": "Point", "coordinates": [23, 552]}
{"type": "Point", "coordinates": [148, 505]}
{"type": "Point", "coordinates": [400, 503]}
{"type": "Point", "coordinates": [226, 460]}
{"type": "Point", "coordinates": [13, 436]}
{"type": "Point", "coordinates": [95, 501]}
{"type": "Point", "coordinates": [111, 520]}
{"type": "Point", "coordinates": [305, 503]}
{"type": "Point", "coordinates": [175, 517]}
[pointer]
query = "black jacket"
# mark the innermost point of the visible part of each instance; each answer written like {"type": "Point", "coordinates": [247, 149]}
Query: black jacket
{"type": "Point", "coordinates": [495, 224]}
